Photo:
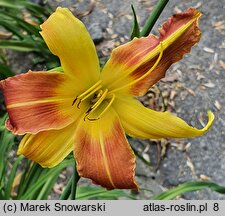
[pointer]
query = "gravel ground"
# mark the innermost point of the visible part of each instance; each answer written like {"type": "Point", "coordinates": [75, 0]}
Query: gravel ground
{"type": "Point", "coordinates": [192, 87]}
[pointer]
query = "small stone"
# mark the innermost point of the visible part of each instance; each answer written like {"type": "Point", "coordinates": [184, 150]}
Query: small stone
{"type": "Point", "coordinates": [96, 32]}
{"type": "Point", "coordinates": [209, 50]}
{"type": "Point", "coordinates": [217, 105]}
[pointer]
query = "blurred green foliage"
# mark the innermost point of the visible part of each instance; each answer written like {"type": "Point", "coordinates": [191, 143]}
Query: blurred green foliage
{"type": "Point", "coordinates": [19, 31]}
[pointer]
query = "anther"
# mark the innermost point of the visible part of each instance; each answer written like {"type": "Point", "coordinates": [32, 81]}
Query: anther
{"type": "Point", "coordinates": [87, 93]}
{"type": "Point", "coordinates": [78, 105]}
{"type": "Point", "coordinates": [93, 119]}
{"type": "Point", "coordinates": [90, 119]}
{"type": "Point", "coordinates": [91, 109]}
{"type": "Point", "coordinates": [95, 106]}
{"type": "Point", "coordinates": [91, 93]}
{"type": "Point", "coordinates": [99, 101]}
{"type": "Point", "coordinates": [74, 101]}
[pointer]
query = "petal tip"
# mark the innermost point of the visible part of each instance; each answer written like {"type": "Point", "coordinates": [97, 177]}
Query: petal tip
{"type": "Point", "coordinates": [9, 126]}
{"type": "Point", "coordinates": [211, 118]}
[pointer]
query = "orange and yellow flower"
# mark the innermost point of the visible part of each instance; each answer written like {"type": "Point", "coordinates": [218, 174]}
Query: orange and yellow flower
{"type": "Point", "coordinates": [88, 111]}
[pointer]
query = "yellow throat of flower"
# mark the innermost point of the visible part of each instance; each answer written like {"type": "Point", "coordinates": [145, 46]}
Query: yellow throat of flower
{"type": "Point", "coordinates": [97, 95]}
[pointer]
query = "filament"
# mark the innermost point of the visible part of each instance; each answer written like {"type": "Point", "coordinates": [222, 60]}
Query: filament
{"type": "Point", "coordinates": [87, 93]}
{"type": "Point", "coordinates": [144, 75]}
{"type": "Point", "coordinates": [96, 105]}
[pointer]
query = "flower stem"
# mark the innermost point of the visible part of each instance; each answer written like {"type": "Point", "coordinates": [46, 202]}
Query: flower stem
{"type": "Point", "coordinates": [150, 22]}
{"type": "Point", "coordinates": [75, 179]}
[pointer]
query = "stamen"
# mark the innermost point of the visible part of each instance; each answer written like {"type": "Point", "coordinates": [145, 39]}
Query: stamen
{"type": "Point", "coordinates": [90, 89]}
{"type": "Point", "coordinates": [74, 101]}
{"type": "Point", "coordinates": [91, 93]}
{"type": "Point", "coordinates": [99, 94]}
{"type": "Point", "coordinates": [101, 114]}
{"type": "Point", "coordinates": [99, 101]}
{"type": "Point", "coordinates": [90, 119]}
{"type": "Point", "coordinates": [87, 93]}
{"type": "Point", "coordinates": [144, 75]}
{"type": "Point", "coordinates": [78, 104]}
{"type": "Point", "coordinates": [107, 107]}
{"type": "Point", "coordinates": [96, 105]}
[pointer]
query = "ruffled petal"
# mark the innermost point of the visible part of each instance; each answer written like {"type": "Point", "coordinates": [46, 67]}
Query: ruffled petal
{"type": "Point", "coordinates": [103, 154]}
{"type": "Point", "coordinates": [38, 101]}
{"type": "Point", "coordinates": [139, 121]}
{"type": "Point", "coordinates": [67, 38]}
{"type": "Point", "coordinates": [48, 148]}
{"type": "Point", "coordinates": [132, 60]}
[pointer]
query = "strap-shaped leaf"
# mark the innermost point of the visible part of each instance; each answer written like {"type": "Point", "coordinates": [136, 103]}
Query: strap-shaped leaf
{"type": "Point", "coordinates": [135, 31]}
{"type": "Point", "coordinates": [188, 187]}
{"type": "Point", "coordinates": [153, 17]}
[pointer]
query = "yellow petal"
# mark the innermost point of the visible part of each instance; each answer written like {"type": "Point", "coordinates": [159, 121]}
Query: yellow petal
{"type": "Point", "coordinates": [48, 148]}
{"type": "Point", "coordinates": [67, 37]}
{"type": "Point", "coordinates": [141, 122]}
{"type": "Point", "coordinates": [103, 154]}
{"type": "Point", "coordinates": [130, 68]}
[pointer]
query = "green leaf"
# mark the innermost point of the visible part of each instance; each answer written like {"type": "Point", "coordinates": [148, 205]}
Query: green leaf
{"type": "Point", "coordinates": [75, 180]}
{"type": "Point", "coordinates": [135, 31]}
{"type": "Point", "coordinates": [23, 46]}
{"type": "Point", "coordinates": [35, 9]}
{"type": "Point", "coordinates": [46, 189]}
{"type": "Point", "coordinates": [6, 143]}
{"type": "Point", "coordinates": [135, 150]}
{"type": "Point", "coordinates": [12, 177]}
{"type": "Point", "coordinates": [140, 156]}
{"type": "Point", "coordinates": [100, 193]}
{"type": "Point", "coordinates": [71, 187]}
{"type": "Point", "coordinates": [67, 191]}
{"type": "Point", "coordinates": [188, 187]}
{"type": "Point", "coordinates": [153, 17]}
{"type": "Point", "coordinates": [22, 184]}
{"type": "Point", "coordinates": [57, 69]}
{"type": "Point", "coordinates": [10, 3]}
{"type": "Point", "coordinates": [17, 21]}
{"type": "Point", "coordinates": [33, 188]}
{"type": "Point", "coordinates": [10, 25]}
{"type": "Point", "coordinates": [5, 71]}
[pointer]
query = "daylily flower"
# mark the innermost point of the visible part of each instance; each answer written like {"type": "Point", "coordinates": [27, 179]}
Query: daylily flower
{"type": "Point", "coordinates": [87, 111]}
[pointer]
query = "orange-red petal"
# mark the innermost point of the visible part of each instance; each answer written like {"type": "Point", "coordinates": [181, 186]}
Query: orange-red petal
{"type": "Point", "coordinates": [133, 59]}
{"type": "Point", "coordinates": [38, 101]}
{"type": "Point", "coordinates": [103, 154]}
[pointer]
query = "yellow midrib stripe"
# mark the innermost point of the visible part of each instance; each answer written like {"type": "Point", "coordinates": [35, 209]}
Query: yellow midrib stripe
{"type": "Point", "coordinates": [28, 103]}
{"type": "Point", "coordinates": [169, 40]}
{"type": "Point", "coordinates": [105, 159]}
